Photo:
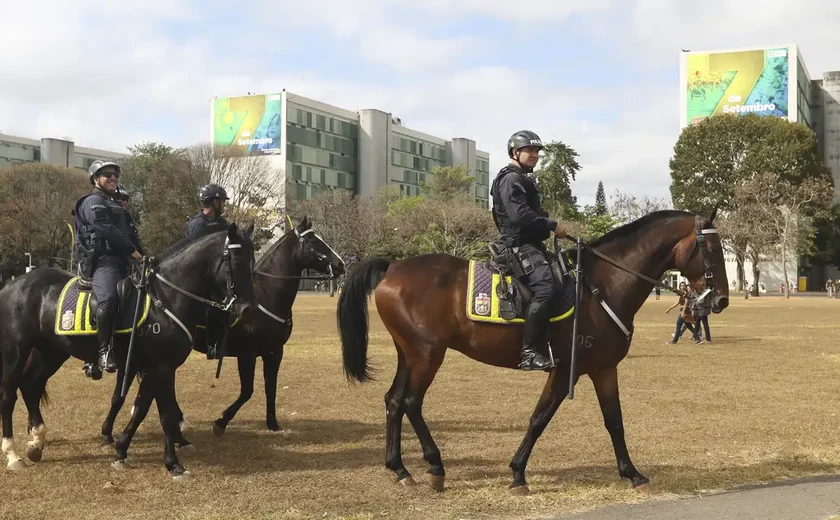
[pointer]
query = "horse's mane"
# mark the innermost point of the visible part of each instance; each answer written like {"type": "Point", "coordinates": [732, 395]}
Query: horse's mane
{"type": "Point", "coordinates": [631, 229]}
{"type": "Point", "coordinates": [265, 254]}
{"type": "Point", "coordinates": [186, 242]}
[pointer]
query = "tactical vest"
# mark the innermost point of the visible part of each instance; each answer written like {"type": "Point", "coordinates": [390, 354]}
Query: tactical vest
{"type": "Point", "coordinates": [89, 245]}
{"type": "Point", "coordinates": [512, 234]}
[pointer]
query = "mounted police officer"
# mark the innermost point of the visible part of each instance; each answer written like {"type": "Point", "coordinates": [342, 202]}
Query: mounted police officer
{"type": "Point", "coordinates": [212, 198]}
{"type": "Point", "coordinates": [107, 240]}
{"type": "Point", "coordinates": [523, 226]}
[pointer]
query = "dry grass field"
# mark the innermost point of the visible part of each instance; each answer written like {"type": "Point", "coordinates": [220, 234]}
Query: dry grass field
{"type": "Point", "coordinates": [760, 403]}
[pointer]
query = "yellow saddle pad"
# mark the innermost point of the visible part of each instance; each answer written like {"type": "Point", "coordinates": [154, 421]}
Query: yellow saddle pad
{"type": "Point", "coordinates": [483, 302]}
{"type": "Point", "coordinates": [73, 314]}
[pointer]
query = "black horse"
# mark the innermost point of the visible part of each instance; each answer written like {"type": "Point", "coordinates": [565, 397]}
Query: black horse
{"type": "Point", "coordinates": [192, 273]}
{"type": "Point", "coordinates": [277, 280]}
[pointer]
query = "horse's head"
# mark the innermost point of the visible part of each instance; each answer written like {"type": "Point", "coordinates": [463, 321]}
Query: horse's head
{"type": "Point", "coordinates": [235, 272]}
{"type": "Point", "coordinates": [700, 255]}
{"type": "Point", "coordinates": [312, 252]}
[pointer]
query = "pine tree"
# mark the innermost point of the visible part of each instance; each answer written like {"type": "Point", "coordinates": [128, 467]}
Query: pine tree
{"type": "Point", "coordinates": [600, 200]}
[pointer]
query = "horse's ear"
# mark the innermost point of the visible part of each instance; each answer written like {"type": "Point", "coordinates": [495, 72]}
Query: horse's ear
{"type": "Point", "coordinates": [232, 231]}
{"type": "Point", "coordinates": [713, 213]}
{"type": "Point", "coordinates": [249, 231]}
{"type": "Point", "coordinates": [305, 223]}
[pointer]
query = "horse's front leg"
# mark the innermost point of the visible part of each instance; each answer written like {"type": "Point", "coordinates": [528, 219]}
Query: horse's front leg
{"type": "Point", "coordinates": [606, 388]}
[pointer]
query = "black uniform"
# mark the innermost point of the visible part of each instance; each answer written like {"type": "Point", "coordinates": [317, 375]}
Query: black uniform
{"type": "Point", "coordinates": [201, 221]}
{"type": "Point", "coordinates": [106, 237]}
{"type": "Point", "coordinates": [523, 226]}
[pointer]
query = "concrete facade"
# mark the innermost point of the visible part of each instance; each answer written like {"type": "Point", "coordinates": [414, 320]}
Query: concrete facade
{"type": "Point", "coordinates": [335, 149]}
{"type": "Point", "coordinates": [61, 152]}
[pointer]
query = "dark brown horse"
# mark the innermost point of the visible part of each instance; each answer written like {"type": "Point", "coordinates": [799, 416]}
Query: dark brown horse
{"type": "Point", "coordinates": [422, 303]}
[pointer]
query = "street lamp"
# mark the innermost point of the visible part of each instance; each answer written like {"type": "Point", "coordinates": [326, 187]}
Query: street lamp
{"type": "Point", "coordinates": [29, 268]}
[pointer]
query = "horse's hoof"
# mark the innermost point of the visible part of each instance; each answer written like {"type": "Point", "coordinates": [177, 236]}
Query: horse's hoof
{"type": "Point", "coordinates": [17, 465]}
{"type": "Point", "coordinates": [183, 477]}
{"type": "Point", "coordinates": [436, 481]}
{"type": "Point", "coordinates": [34, 453]}
{"type": "Point", "coordinates": [218, 430]}
{"type": "Point", "coordinates": [186, 449]}
{"type": "Point", "coordinates": [645, 489]}
{"type": "Point", "coordinates": [408, 482]}
{"type": "Point", "coordinates": [185, 426]}
{"type": "Point", "coordinates": [520, 491]}
{"type": "Point", "coordinates": [276, 428]}
{"type": "Point", "coordinates": [120, 465]}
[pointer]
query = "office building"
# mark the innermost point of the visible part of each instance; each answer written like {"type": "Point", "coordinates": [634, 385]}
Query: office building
{"type": "Point", "coordinates": [315, 147]}
{"type": "Point", "coordinates": [61, 152]}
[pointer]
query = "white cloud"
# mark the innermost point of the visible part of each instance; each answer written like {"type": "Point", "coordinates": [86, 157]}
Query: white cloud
{"type": "Point", "coordinates": [105, 73]}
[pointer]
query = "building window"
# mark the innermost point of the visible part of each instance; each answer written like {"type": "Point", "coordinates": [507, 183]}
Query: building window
{"type": "Point", "coordinates": [323, 177]}
{"type": "Point", "coordinates": [301, 192]}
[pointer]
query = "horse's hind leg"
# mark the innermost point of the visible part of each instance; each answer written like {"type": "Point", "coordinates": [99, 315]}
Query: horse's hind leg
{"type": "Point", "coordinates": [554, 391]}
{"type": "Point", "coordinates": [394, 410]}
{"type": "Point", "coordinates": [606, 388]}
{"type": "Point", "coordinates": [421, 376]}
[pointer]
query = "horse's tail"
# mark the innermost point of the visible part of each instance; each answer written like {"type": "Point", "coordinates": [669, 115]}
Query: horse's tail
{"type": "Point", "coordinates": [352, 316]}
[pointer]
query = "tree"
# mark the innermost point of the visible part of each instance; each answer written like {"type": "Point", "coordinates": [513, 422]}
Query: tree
{"type": "Point", "coordinates": [137, 169]}
{"type": "Point", "coordinates": [557, 170]}
{"type": "Point", "coordinates": [626, 208]}
{"type": "Point", "coordinates": [600, 200]}
{"type": "Point", "coordinates": [457, 227]}
{"type": "Point", "coordinates": [711, 159]}
{"type": "Point", "coordinates": [35, 204]}
{"type": "Point", "coordinates": [743, 232]}
{"type": "Point", "coordinates": [596, 224]}
{"type": "Point", "coordinates": [715, 156]}
{"type": "Point", "coordinates": [255, 188]}
{"type": "Point", "coordinates": [447, 182]}
{"type": "Point", "coordinates": [787, 210]}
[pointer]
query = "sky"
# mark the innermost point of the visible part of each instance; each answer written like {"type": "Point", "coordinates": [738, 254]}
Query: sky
{"type": "Point", "coordinates": [600, 75]}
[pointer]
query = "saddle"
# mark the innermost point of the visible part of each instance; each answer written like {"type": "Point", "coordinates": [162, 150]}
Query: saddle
{"type": "Point", "coordinates": [76, 310]}
{"type": "Point", "coordinates": [496, 295]}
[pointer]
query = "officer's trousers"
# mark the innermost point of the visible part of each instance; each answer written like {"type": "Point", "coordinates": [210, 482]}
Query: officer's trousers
{"type": "Point", "coordinates": [107, 274]}
{"type": "Point", "coordinates": [542, 284]}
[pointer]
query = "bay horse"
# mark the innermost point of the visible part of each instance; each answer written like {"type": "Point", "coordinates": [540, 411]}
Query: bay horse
{"type": "Point", "coordinates": [279, 271]}
{"type": "Point", "coordinates": [186, 279]}
{"type": "Point", "coordinates": [422, 303]}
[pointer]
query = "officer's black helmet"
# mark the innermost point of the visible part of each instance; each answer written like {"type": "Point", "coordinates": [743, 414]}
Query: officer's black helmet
{"type": "Point", "coordinates": [522, 139]}
{"type": "Point", "coordinates": [97, 165]}
{"type": "Point", "coordinates": [210, 192]}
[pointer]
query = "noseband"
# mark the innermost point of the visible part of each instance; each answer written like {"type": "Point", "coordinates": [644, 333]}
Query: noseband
{"type": "Point", "coordinates": [318, 255]}
{"type": "Point", "coordinates": [700, 243]}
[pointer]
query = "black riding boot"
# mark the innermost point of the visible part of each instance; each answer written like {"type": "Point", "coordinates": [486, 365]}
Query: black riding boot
{"type": "Point", "coordinates": [536, 323]}
{"type": "Point", "coordinates": [104, 332]}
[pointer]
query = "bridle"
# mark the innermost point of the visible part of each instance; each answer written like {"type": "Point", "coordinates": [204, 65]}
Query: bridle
{"type": "Point", "coordinates": [700, 243]}
{"type": "Point", "coordinates": [230, 284]}
{"type": "Point", "coordinates": [304, 244]}
{"type": "Point", "coordinates": [700, 240]}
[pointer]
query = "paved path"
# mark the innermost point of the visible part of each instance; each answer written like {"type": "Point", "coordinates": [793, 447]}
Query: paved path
{"type": "Point", "coordinates": [810, 499]}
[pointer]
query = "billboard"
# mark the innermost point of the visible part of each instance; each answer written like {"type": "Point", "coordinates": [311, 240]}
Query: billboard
{"type": "Point", "coordinates": [251, 124]}
{"type": "Point", "coordinates": [736, 82]}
